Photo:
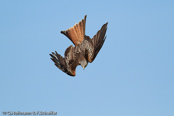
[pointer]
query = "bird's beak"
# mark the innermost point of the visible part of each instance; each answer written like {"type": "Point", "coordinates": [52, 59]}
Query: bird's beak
{"type": "Point", "coordinates": [83, 68]}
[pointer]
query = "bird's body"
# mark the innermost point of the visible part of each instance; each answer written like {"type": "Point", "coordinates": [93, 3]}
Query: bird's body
{"type": "Point", "coordinates": [84, 51]}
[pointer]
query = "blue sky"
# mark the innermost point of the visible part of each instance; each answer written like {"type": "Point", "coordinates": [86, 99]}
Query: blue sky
{"type": "Point", "coordinates": [133, 74]}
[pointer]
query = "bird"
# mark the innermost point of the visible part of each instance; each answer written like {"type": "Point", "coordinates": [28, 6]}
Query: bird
{"type": "Point", "coordinates": [84, 51]}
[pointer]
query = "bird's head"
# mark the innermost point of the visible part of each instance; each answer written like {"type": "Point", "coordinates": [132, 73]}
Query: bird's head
{"type": "Point", "coordinates": [83, 63]}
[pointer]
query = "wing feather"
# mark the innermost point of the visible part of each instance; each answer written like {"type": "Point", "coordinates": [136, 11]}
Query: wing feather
{"type": "Point", "coordinates": [70, 62]}
{"type": "Point", "coordinates": [59, 61]}
{"type": "Point", "coordinates": [99, 39]}
{"type": "Point", "coordinates": [96, 43]}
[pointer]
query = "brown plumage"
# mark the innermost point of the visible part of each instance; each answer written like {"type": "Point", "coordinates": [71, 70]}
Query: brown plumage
{"type": "Point", "coordinates": [77, 32]}
{"type": "Point", "coordinates": [84, 51]}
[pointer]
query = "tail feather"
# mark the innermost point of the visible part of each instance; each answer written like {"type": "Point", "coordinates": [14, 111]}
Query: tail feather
{"type": "Point", "coordinates": [77, 32]}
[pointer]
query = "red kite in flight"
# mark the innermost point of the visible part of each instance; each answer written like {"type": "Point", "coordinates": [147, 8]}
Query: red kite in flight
{"type": "Point", "coordinates": [85, 50]}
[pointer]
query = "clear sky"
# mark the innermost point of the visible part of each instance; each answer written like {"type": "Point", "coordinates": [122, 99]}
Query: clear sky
{"type": "Point", "coordinates": [133, 74]}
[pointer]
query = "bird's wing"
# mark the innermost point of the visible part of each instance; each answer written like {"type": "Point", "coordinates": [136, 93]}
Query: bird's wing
{"type": "Point", "coordinates": [77, 32]}
{"type": "Point", "coordinates": [69, 63]}
{"type": "Point", "coordinates": [60, 62]}
{"type": "Point", "coordinates": [96, 42]}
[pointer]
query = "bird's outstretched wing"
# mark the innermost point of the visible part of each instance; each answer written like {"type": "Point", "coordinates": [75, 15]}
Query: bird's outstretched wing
{"type": "Point", "coordinates": [59, 61]}
{"type": "Point", "coordinates": [77, 32]}
{"type": "Point", "coordinates": [69, 63]}
{"type": "Point", "coordinates": [96, 43]}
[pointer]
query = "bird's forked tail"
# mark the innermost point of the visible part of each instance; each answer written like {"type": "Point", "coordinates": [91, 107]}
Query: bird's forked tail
{"type": "Point", "coordinates": [77, 32]}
